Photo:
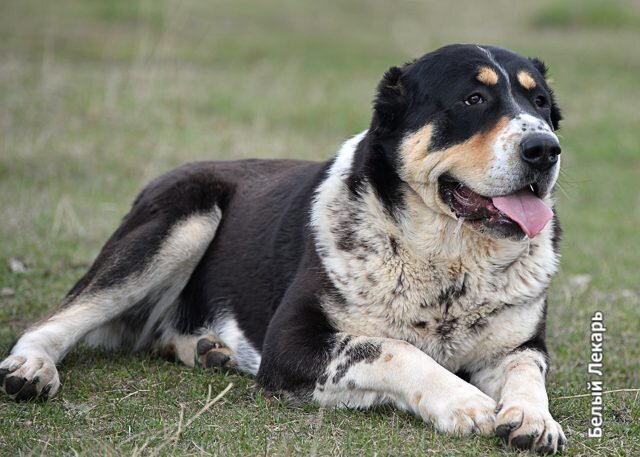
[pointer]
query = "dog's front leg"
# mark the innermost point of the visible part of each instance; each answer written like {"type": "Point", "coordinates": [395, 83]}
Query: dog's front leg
{"type": "Point", "coordinates": [366, 371]}
{"type": "Point", "coordinates": [523, 420]}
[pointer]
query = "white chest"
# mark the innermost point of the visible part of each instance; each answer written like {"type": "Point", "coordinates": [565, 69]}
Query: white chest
{"type": "Point", "coordinates": [457, 304]}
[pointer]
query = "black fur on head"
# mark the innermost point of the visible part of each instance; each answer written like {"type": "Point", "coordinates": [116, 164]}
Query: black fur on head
{"type": "Point", "coordinates": [433, 87]}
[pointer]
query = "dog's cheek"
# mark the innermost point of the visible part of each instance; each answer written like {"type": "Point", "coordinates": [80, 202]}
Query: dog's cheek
{"type": "Point", "coordinates": [472, 161]}
{"type": "Point", "coordinates": [418, 166]}
{"type": "Point", "coordinates": [416, 160]}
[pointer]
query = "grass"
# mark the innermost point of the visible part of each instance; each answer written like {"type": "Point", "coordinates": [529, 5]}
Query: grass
{"type": "Point", "coordinates": [98, 97]}
{"type": "Point", "coordinates": [588, 13]}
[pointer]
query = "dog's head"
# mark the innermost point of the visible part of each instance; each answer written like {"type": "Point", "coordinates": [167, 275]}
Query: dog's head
{"type": "Point", "coordinates": [471, 130]}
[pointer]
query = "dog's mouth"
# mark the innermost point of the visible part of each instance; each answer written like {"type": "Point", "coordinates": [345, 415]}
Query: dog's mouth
{"type": "Point", "coordinates": [521, 212]}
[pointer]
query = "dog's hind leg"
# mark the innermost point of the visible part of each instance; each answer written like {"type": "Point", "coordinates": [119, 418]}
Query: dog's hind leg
{"type": "Point", "coordinates": [131, 287]}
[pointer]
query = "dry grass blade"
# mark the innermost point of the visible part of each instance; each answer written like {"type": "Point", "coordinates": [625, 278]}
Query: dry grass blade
{"type": "Point", "coordinates": [181, 420]}
{"type": "Point", "coordinates": [132, 394]}
{"type": "Point", "coordinates": [208, 404]}
{"type": "Point", "coordinates": [589, 395]}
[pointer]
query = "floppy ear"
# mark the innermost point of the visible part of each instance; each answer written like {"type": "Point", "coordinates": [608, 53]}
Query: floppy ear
{"type": "Point", "coordinates": [556, 114]}
{"type": "Point", "coordinates": [390, 102]}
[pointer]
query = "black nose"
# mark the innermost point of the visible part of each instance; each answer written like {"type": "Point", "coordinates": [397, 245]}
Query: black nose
{"type": "Point", "coordinates": [540, 151]}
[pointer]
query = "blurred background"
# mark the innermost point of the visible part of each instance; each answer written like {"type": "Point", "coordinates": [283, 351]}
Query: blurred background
{"type": "Point", "coordinates": [99, 96]}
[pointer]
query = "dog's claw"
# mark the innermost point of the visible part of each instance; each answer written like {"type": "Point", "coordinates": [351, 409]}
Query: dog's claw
{"type": "Point", "coordinates": [13, 384]}
{"type": "Point", "coordinates": [216, 359]}
{"type": "Point", "coordinates": [213, 354]}
{"type": "Point", "coordinates": [524, 442]}
{"type": "Point", "coordinates": [28, 392]}
{"type": "Point", "coordinates": [204, 345]}
{"type": "Point", "coordinates": [3, 373]}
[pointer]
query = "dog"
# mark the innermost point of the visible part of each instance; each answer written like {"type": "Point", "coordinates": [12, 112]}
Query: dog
{"type": "Point", "coordinates": [410, 269]}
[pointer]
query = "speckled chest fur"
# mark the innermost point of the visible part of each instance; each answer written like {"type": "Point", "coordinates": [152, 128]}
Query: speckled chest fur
{"type": "Point", "coordinates": [422, 277]}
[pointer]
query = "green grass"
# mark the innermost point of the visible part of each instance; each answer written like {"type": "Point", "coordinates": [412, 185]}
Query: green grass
{"type": "Point", "coordinates": [98, 97]}
{"type": "Point", "coordinates": [588, 13]}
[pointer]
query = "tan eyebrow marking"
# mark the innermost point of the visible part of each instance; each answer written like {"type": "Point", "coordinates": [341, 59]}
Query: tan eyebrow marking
{"type": "Point", "coordinates": [526, 80]}
{"type": "Point", "coordinates": [487, 76]}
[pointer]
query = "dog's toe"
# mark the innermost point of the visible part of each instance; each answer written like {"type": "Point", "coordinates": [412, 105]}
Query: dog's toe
{"type": "Point", "coordinates": [216, 359]}
{"type": "Point", "coordinates": [524, 442]}
{"type": "Point", "coordinates": [28, 392]}
{"type": "Point", "coordinates": [205, 345]}
{"type": "Point", "coordinates": [213, 354]}
{"type": "Point", "coordinates": [13, 384]}
{"type": "Point", "coordinates": [470, 412]}
{"type": "Point", "coordinates": [504, 430]}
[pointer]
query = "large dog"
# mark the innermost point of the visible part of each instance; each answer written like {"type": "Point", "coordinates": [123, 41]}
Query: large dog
{"type": "Point", "coordinates": [412, 268]}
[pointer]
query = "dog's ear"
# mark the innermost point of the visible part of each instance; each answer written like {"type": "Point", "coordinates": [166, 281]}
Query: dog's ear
{"type": "Point", "coordinates": [540, 66]}
{"type": "Point", "coordinates": [556, 114]}
{"type": "Point", "coordinates": [390, 103]}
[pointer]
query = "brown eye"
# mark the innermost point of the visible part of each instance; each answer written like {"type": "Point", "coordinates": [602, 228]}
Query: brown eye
{"type": "Point", "coordinates": [540, 101]}
{"type": "Point", "coordinates": [474, 99]}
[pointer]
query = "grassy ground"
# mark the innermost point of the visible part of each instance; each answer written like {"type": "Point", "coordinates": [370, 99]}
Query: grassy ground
{"type": "Point", "coordinates": [97, 97]}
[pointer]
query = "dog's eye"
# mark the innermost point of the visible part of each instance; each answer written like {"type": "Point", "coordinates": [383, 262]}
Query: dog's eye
{"type": "Point", "coordinates": [540, 101]}
{"type": "Point", "coordinates": [474, 99]}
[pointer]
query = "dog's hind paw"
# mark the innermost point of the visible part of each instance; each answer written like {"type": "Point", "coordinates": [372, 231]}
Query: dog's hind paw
{"type": "Point", "coordinates": [212, 353]}
{"type": "Point", "coordinates": [26, 377]}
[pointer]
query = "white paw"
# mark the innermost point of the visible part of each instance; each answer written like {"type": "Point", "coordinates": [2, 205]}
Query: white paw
{"type": "Point", "coordinates": [29, 376]}
{"type": "Point", "coordinates": [526, 426]}
{"type": "Point", "coordinates": [463, 411]}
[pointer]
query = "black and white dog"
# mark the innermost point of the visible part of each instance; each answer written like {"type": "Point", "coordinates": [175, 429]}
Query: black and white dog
{"type": "Point", "coordinates": [412, 268]}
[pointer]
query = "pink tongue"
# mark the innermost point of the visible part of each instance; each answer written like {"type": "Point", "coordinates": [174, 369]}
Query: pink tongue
{"type": "Point", "coordinates": [526, 209]}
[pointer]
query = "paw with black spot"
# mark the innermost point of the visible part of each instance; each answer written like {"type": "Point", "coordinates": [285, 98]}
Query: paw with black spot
{"type": "Point", "coordinates": [212, 353]}
{"type": "Point", "coordinates": [25, 377]}
{"type": "Point", "coordinates": [529, 427]}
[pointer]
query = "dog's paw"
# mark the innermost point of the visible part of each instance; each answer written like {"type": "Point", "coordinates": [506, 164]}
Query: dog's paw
{"type": "Point", "coordinates": [464, 412]}
{"type": "Point", "coordinates": [527, 426]}
{"type": "Point", "coordinates": [211, 353]}
{"type": "Point", "coordinates": [29, 377]}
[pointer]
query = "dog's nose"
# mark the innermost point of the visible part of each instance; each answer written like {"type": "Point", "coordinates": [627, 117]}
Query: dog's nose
{"type": "Point", "coordinates": [540, 151]}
